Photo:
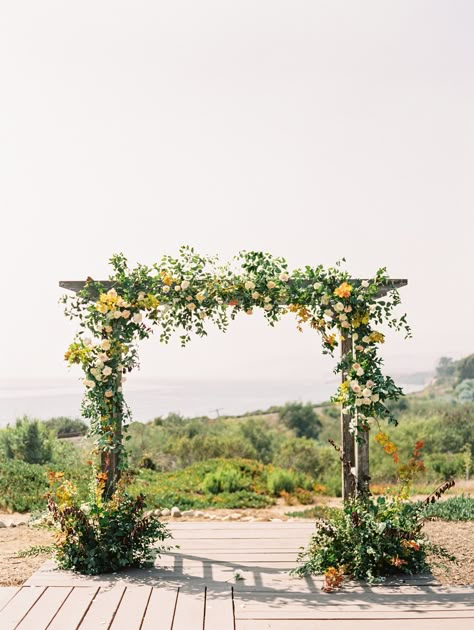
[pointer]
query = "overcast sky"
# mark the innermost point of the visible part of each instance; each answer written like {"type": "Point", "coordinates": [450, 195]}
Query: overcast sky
{"type": "Point", "coordinates": [312, 130]}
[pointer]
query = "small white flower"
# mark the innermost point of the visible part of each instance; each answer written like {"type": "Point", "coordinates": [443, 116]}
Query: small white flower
{"type": "Point", "coordinates": [103, 356]}
{"type": "Point", "coordinates": [185, 284]}
{"type": "Point", "coordinates": [219, 300]}
{"type": "Point", "coordinates": [365, 339]}
{"type": "Point", "coordinates": [372, 308]}
{"type": "Point", "coordinates": [271, 284]}
{"type": "Point", "coordinates": [325, 299]}
{"type": "Point", "coordinates": [165, 288]}
{"type": "Point", "coordinates": [191, 306]}
{"type": "Point", "coordinates": [177, 288]}
{"type": "Point", "coordinates": [360, 372]}
{"type": "Point", "coordinates": [89, 383]}
{"type": "Point", "coordinates": [137, 318]}
{"type": "Point", "coordinates": [107, 371]}
{"type": "Point", "coordinates": [105, 344]}
{"type": "Point", "coordinates": [267, 299]}
{"type": "Point", "coordinates": [317, 286]}
{"type": "Point", "coordinates": [249, 285]}
{"type": "Point", "coordinates": [87, 341]}
{"type": "Point", "coordinates": [255, 295]}
{"type": "Point", "coordinates": [339, 307]}
{"type": "Point", "coordinates": [99, 364]}
{"type": "Point", "coordinates": [365, 284]}
{"type": "Point", "coordinates": [284, 277]}
{"type": "Point", "coordinates": [355, 336]}
{"type": "Point", "coordinates": [268, 307]}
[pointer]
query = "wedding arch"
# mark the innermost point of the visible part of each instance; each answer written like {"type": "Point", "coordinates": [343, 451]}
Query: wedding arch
{"type": "Point", "coordinates": [185, 293]}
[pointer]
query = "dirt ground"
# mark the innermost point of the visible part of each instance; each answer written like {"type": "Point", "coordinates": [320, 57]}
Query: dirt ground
{"type": "Point", "coordinates": [456, 537]}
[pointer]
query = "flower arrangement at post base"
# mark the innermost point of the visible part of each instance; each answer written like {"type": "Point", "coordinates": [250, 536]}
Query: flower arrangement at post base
{"type": "Point", "coordinates": [103, 535]}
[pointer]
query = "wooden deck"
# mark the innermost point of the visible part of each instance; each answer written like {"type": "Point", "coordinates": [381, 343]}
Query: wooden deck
{"type": "Point", "coordinates": [194, 588]}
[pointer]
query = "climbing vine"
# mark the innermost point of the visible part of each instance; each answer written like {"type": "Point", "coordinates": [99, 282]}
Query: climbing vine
{"type": "Point", "coordinates": [185, 295]}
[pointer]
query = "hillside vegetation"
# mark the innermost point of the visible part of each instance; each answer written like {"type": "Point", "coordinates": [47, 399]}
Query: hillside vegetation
{"type": "Point", "coordinates": [252, 460]}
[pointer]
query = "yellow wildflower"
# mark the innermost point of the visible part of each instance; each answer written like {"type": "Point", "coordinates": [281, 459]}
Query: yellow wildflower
{"type": "Point", "coordinates": [377, 337]}
{"type": "Point", "coordinates": [344, 290]}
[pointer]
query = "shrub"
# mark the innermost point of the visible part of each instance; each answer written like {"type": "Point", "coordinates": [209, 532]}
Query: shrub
{"type": "Point", "coordinates": [369, 539]}
{"type": "Point", "coordinates": [302, 419]}
{"type": "Point", "coordinates": [29, 440]}
{"type": "Point", "coordinates": [280, 480]}
{"type": "Point", "coordinates": [64, 426]}
{"type": "Point", "coordinates": [225, 479]}
{"type": "Point", "coordinates": [453, 509]}
{"type": "Point", "coordinates": [103, 535]}
{"type": "Point", "coordinates": [301, 454]}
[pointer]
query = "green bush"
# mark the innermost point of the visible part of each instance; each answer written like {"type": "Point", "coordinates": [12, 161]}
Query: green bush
{"type": "Point", "coordinates": [280, 480]}
{"type": "Point", "coordinates": [28, 440]}
{"type": "Point", "coordinates": [453, 509]}
{"type": "Point", "coordinates": [64, 426]}
{"type": "Point", "coordinates": [302, 419]}
{"type": "Point", "coordinates": [369, 539]}
{"type": "Point", "coordinates": [225, 479]}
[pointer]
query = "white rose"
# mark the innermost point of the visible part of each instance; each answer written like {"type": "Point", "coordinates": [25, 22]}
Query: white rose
{"type": "Point", "coordinates": [185, 284]}
{"type": "Point", "coordinates": [355, 336]}
{"type": "Point", "coordinates": [367, 393]}
{"type": "Point", "coordinates": [99, 364]}
{"type": "Point", "coordinates": [267, 299]}
{"type": "Point", "coordinates": [112, 292]}
{"type": "Point", "coordinates": [372, 308]}
{"type": "Point", "coordinates": [109, 393]}
{"type": "Point", "coordinates": [317, 286]}
{"type": "Point", "coordinates": [116, 314]}
{"type": "Point", "coordinates": [108, 329]}
{"type": "Point", "coordinates": [165, 289]}
{"type": "Point", "coordinates": [366, 401]}
{"type": "Point", "coordinates": [365, 284]}
{"type": "Point", "coordinates": [202, 315]}
{"type": "Point", "coordinates": [325, 300]}
{"type": "Point", "coordinates": [249, 285]}
{"type": "Point", "coordinates": [360, 372]}
{"type": "Point", "coordinates": [365, 339]}
{"type": "Point", "coordinates": [177, 288]}
{"type": "Point", "coordinates": [355, 387]}
{"type": "Point", "coordinates": [255, 295]}
{"type": "Point", "coordinates": [107, 371]}
{"type": "Point", "coordinates": [370, 384]}
{"type": "Point", "coordinates": [103, 356]}
{"type": "Point", "coordinates": [375, 397]}
{"type": "Point", "coordinates": [359, 402]}
{"type": "Point", "coordinates": [342, 317]}
{"type": "Point", "coordinates": [339, 307]}
{"type": "Point", "coordinates": [141, 296]}
{"type": "Point", "coordinates": [359, 348]}
{"type": "Point", "coordinates": [271, 284]}
{"type": "Point", "coordinates": [137, 318]}
{"type": "Point", "coordinates": [328, 312]}
{"type": "Point", "coordinates": [126, 314]}
{"type": "Point", "coordinates": [284, 277]}
{"type": "Point", "coordinates": [345, 324]}
{"type": "Point", "coordinates": [87, 341]}
{"type": "Point", "coordinates": [105, 344]}
{"type": "Point", "coordinates": [268, 307]}
{"type": "Point", "coordinates": [191, 306]}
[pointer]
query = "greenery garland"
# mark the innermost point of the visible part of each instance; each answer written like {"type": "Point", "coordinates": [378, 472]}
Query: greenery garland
{"type": "Point", "coordinates": [187, 293]}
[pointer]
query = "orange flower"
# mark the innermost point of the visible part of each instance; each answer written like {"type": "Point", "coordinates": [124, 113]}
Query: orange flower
{"type": "Point", "coordinates": [233, 303]}
{"type": "Point", "coordinates": [344, 290]}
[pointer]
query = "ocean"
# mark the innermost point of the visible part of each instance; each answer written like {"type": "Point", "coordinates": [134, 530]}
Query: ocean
{"type": "Point", "coordinates": [148, 398]}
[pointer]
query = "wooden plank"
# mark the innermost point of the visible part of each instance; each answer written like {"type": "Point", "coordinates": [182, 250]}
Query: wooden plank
{"type": "Point", "coordinates": [341, 615]}
{"type": "Point", "coordinates": [6, 594]}
{"type": "Point", "coordinates": [189, 613]}
{"type": "Point", "coordinates": [19, 606]}
{"type": "Point", "coordinates": [353, 624]}
{"type": "Point", "coordinates": [44, 609]}
{"type": "Point", "coordinates": [74, 608]}
{"type": "Point", "coordinates": [131, 611]}
{"type": "Point", "coordinates": [160, 610]}
{"type": "Point", "coordinates": [102, 609]}
{"type": "Point", "coordinates": [219, 613]}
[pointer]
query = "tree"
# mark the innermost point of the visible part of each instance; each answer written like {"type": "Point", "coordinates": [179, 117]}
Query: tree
{"type": "Point", "coordinates": [302, 419]}
{"type": "Point", "coordinates": [29, 440]}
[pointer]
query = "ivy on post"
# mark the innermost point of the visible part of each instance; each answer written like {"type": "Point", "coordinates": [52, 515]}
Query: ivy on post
{"type": "Point", "coordinates": [182, 294]}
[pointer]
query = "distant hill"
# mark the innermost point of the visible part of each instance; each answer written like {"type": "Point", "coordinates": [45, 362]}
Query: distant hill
{"type": "Point", "coordinates": [453, 380]}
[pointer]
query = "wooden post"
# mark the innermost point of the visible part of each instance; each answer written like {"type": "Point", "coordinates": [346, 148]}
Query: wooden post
{"type": "Point", "coordinates": [110, 460]}
{"type": "Point", "coordinates": [362, 461]}
{"type": "Point", "coordinates": [347, 439]}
